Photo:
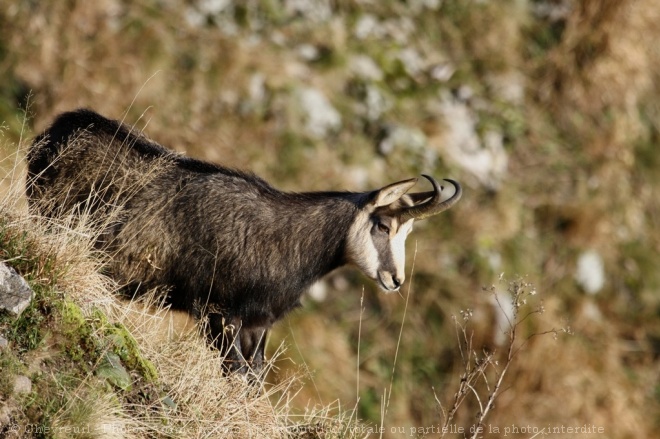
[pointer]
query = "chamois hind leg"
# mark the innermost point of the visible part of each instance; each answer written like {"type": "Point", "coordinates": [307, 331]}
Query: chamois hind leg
{"type": "Point", "coordinates": [253, 343]}
{"type": "Point", "coordinates": [225, 335]}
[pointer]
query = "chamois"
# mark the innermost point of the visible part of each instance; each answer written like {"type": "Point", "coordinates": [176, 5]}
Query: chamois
{"type": "Point", "coordinates": [225, 244]}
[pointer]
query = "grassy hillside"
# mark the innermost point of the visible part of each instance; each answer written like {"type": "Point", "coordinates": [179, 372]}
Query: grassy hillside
{"type": "Point", "coordinates": [98, 366]}
{"type": "Point", "coordinates": [546, 111]}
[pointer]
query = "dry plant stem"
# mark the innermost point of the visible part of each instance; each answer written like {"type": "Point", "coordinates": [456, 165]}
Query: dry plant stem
{"type": "Point", "coordinates": [357, 363]}
{"type": "Point", "coordinates": [383, 411]}
{"type": "Point", "coordinates": [403, 321]}
{"type": "Point", "coordinates": [477, 368]}
{"type": "Point", "coordinates": [469, 377]}
{"type": "Point", "coordinates": [483, 411]}
{"type": "Point", "coordinates": [357, 386]}
{"type": "Point", "coordinates": [517, 288]}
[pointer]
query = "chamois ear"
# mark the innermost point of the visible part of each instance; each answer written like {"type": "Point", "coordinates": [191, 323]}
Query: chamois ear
{"type": "Point", "coordinates": [390, 193]}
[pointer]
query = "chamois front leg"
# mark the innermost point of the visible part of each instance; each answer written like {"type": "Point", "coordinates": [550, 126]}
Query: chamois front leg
{"type": "Point", "coordinates": [225, 335]}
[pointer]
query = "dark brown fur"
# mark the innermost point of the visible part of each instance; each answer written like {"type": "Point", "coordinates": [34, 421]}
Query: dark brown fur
{"type": "Point", "coordinates": [226, 243]}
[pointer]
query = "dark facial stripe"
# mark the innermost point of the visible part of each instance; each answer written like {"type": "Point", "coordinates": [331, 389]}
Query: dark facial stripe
{"type": "Point", "coordinates": [384, 249]}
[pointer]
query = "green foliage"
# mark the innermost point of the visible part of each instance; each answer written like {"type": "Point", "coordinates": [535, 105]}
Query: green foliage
{"type": "Point", "coordinates": [50, 319]}
{"type": "Point", "coordinates": [80, 344]}
{"type": "Point", "coordinates": [369, 403]}
{"type": "Point", "coordinates": [640, 279]}
{"type": "Point", "coordinates": [111, 368]}
{"type": "Point", "coordinates": [93, 340]}
{"type": "Point", "coordinates": [10, 365]}
{"type": "Point", "coordinates": [292, 155]}
{"type": "Point", "coordinates": [48, 398]}
{"type": "Point", "coordinates": [86, 347]}
{"type": "Point", "coordinates": [543, 37]}
{"type": "Point", "coordinates": [22, 253]}
{"type": "Point", "coordinates": [28, 330]}
{"type": "Point", "coordinates": [122, 343]}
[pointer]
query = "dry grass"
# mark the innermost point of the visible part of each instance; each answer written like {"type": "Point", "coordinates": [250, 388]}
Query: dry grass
{"type": "Point", "coordinates": [92, 414]}
{"type": "Point", "coordinates": [582, 175]}
{"type": "Point", "coordinates": [201, 401]}
{"type": "Point", "coordinates": [208, 404]}
{"type": "Point", "coordinates": [68, 244]}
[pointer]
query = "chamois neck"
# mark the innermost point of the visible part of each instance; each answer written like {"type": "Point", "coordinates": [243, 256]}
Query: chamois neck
{"type": "Point", "coordinates": [320, 221]}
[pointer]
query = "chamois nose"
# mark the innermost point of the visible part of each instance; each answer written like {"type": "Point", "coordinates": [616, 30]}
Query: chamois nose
{"type": "Point", "coordinates": [388, 281]}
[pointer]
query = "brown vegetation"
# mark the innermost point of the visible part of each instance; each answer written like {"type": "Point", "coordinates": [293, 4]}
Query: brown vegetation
{"type": "Point", "coordinates": [563, 92]}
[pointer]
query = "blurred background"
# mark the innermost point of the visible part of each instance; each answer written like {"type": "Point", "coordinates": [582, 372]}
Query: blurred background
{"type": "Point", "coordinates": [547, 111]}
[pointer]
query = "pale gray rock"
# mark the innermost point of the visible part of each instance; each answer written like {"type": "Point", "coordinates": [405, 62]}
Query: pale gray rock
{"type": "Point", "coordinates": [412, 61]}
{"type": "Point", "coordinates": [484, 157]}
{"type": "Point", "coordinates": [553, 11]}
{"type": "Point", "coordinates": [308, 52]}
{"type": "Point", "coordinates": [364, 67]}
{"type": "Point", "coordinates": [366, 27]}
{"type": "Point", "coordinates": [504, 316]}
{"type": "Point", "coordinates": [22, 385]}
{"type": "Point", "coordinates": [375, 103]}
{"type": "Point", "coordinates": [443, 72]}
{"type": "Point", "coordinates": [15, 293]}
{"type": "Point", "coordinates": [402, 137]}
{"type": "Point", "coordinates": [315, 11]}
{"type": "Point", "coordinates": [508, 86]}
{"type": "Point", "coordinates": [321, 117]}
{"type": "Point", "coordinates": [5, 414]}
{"type": "Point", "coordinates": [590, 272]}
{"type": "Point", "coordinates": [319, 291]}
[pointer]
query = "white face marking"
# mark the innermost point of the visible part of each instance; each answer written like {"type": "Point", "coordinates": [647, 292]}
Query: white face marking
{"type": "Point", "coordinates": [360, 249]}
{"type": "Point", "coordinates": [398, 248]}
{"type": "Point", "coordinates": [376, 241]}
{"type": "Point", "coordinates": [383, 266]}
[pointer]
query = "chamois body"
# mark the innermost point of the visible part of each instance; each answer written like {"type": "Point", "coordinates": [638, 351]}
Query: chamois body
{"type": "Point", "coordinates": [224, 242]}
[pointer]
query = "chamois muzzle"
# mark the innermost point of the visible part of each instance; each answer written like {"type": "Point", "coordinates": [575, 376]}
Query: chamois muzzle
{"type": "Point", "coordinates": [433, 205]}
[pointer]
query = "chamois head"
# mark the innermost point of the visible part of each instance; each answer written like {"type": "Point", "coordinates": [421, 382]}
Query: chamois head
{"type": "Point", "coordinates": [376, 241]}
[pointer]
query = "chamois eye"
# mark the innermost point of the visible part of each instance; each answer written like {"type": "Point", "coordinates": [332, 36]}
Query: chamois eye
{"type": "Point", "coordinates": [383, 228]}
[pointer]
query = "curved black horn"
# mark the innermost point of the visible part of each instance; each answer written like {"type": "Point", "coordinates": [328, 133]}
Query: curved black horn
{"type": "Point", "coordinates": [433, 206]}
